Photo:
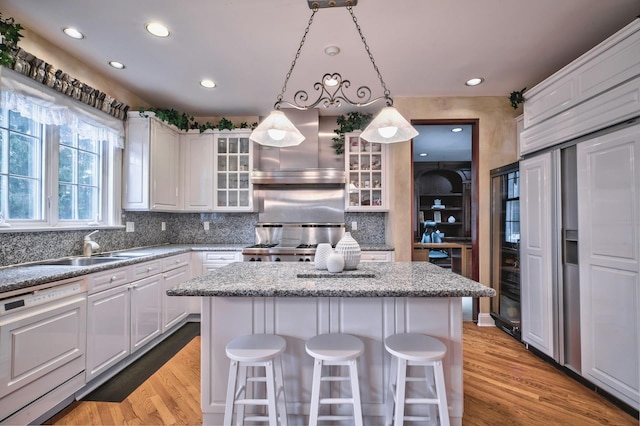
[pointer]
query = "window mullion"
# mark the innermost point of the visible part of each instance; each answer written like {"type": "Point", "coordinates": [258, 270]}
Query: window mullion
{"type": "Point", "coordinates": [53, 139]}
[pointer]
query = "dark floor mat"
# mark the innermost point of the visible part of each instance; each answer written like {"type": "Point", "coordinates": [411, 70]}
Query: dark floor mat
{"type": "Point", "coordinates": [121, 385]}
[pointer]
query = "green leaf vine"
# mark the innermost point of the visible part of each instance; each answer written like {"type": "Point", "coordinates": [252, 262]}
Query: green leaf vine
{"type": "Point", "coordinates": [517, 97]}
{"type": "Point", "coordinates": [183, 121]}
{"type": "Point", "coordinates": [348, 123]}
{"type": "Point", "coordinates": [9, 37]}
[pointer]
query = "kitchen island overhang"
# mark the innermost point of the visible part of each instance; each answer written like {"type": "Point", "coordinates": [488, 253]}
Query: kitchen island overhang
{"type": "Point", "coordinates": [297, 302]}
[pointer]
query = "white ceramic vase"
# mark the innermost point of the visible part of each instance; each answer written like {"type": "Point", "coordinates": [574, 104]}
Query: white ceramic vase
{"type": "Point", "coordinates": [323, 251]}
{"type": "Point", "coordinates": [350, 250]}
{"type": "Point", "coordinates": [335, 262]}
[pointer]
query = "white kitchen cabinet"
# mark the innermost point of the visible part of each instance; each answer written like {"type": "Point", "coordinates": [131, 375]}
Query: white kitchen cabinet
{"type": "Point", "coordinates": [212, 260]}
{"type": "Point", "coordinates": [537, 192]}
{"type": "Point", "coordinates": [108, 329]}
{"type": "Point", "coordinates": [233, 190]}
{"type": "Point", "coordinates": [123, 318]}
{"type": "Point", "coordinates": [376, 256]}
{"type": "Point", "coordinates": [197, 164]}
{"type": "Point", "coordinates": [128, 308]}
{"type": "Point", "coordinates": [151, 165]}
{"type": "Point", "coordinates": [175, 270]}
{"type": "Point", "coordinates": [597, 90]}
{"type": "Point", "coordinates": [609, 230]}
{"type": "Point", "coordinates": [367, 170]}
{"type": "Point", "coordinates": [146, 310]}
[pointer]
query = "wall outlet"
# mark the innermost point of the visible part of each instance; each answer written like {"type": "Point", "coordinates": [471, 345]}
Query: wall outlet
{"type": "Point", "coordinates": [206, 225]}
{"type": "Point", "coordinates": [354, 226]}
{"type": "Point", "coordinates": [163, 226]}
{"type": "Point", "coordinates": [130, 227]}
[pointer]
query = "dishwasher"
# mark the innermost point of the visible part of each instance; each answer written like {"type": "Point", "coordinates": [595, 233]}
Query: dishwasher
{"type": "Point", "coordinates": [42, 348]}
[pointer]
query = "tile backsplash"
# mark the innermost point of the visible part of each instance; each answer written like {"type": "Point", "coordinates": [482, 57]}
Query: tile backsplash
{"type": "Point", "coordinates": [181, 228]}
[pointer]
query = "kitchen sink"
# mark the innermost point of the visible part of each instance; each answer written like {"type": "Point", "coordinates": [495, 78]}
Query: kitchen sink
{"type": "Point", "coordinates": [122, 255]}
{"type": "Point", "coordinates": [82, 261]}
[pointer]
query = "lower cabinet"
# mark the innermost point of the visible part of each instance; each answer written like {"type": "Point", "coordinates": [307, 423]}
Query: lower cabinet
{"type": "Point", "coordinates": [175, 308]}
{"type": "Point", "coordinates": [376, 256]}
{"type": "Point", "coordinates": [120, 321]}
{"type": "Point", "coordinates": [212, 260]}
{"type": "Point", "coordinates": [124, 314]}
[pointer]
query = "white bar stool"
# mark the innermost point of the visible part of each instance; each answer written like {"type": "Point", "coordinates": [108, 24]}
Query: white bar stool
{"type": "Point", "coordinates": [335, 349]}
{"type": "Point", "coordinates": [256, 350]}
{"type": "Point", "coordinates": [412, 349]}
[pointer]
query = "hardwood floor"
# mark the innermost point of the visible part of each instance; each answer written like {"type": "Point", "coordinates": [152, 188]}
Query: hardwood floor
{"type": "Point", "coordinates": [504, 385]}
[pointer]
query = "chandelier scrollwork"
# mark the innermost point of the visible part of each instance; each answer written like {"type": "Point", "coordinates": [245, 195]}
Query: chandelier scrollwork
{"type": "Point", "coordinates": [332, 94]}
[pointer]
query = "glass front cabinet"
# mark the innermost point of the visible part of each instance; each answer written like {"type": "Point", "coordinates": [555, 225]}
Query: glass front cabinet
{"type": "Point", "coordinates": [366, 166]}
{"type": "Point", "coordinates": [234, 161]}
{"type": "Point", "coordinates": [505, 248]}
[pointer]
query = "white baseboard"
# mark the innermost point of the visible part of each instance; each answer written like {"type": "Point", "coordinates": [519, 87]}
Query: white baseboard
{"type": "Point", "coordinates": [485, 320]}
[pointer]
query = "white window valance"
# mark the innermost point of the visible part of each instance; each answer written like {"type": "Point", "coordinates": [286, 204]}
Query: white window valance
{"type": "Point", "coordinates": [40, 103]}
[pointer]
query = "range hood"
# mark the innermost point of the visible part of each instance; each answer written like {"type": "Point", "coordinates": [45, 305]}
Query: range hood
{"type": "Point", "coordinates": [313, 162]}
{"type": "Point", "coordinates": [299, 177]}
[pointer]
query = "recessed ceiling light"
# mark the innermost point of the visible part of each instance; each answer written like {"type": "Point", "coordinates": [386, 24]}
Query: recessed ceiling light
{"type": "Point", "coordinates": [456, 129]}
{"type": "Point", "coordinates": [116, 64]}
{"type": "Point", "coordinates": [208, 84]}
{"type": "Point", "coordinates": [73, 33]}
{"type": "Point", "coordinates": [423, 154]}
{"type": "Point", "coordinates": [474, 81]}
{"type": "Point", "coordinates": [157, 29]}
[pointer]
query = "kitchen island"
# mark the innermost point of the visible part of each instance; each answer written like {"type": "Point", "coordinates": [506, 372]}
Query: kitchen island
{"type": "Point", "coordinates": [297, 301]}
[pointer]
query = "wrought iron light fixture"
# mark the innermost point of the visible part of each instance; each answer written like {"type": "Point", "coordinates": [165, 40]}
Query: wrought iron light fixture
{"type": "Point", "coordinates": [388, 126]}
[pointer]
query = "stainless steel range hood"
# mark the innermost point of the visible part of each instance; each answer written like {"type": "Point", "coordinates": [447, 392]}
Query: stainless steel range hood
{"type": "Point", "coordinates": [299, 177]}
{"type": "Point", "coordinates": [313, 162]}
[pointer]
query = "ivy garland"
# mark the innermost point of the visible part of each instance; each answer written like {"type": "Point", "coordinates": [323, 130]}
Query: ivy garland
{"type": "Point", "coordinates": [517, 97]}
{"type": "Point", "coordinates": [9, 37]}
{"type": "Point", "coordinates": [349, 123]}
{"type": "Point", "coordinates": [183, 121]}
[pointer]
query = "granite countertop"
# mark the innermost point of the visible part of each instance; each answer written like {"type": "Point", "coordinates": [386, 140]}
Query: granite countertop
{"type": "Point", "coordinates": [393, 279]}
{"type": "Point", "coordinates": [24, 276]}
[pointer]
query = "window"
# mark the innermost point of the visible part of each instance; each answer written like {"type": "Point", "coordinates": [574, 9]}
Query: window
{"type": "Point", "coordinates": [21, 164]}
{"type": "Point", "coordinates": [79, 172]}
{"type": "Point", "coordinates": [58, 165]}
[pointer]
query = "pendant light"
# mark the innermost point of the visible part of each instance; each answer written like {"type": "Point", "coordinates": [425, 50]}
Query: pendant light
{"type": "Point", "coordinates": [389, 126]}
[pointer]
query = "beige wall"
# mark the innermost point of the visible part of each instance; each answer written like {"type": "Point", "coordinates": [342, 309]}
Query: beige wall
{"type": "Point", "coordinates": [498, 147]}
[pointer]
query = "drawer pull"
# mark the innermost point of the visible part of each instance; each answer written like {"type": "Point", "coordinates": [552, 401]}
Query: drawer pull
{"type": "Point", "coordinates": [113, 278]}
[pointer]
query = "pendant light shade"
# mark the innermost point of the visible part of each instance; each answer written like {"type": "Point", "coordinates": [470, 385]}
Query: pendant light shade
{"type": "Point", "coordinates": [389, 127]}
{"type": "Point", "coordinates": [277, 130]}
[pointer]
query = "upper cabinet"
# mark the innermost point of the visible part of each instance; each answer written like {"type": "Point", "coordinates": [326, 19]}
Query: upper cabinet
{"type": "Point", "coordinates": [597, 90]}
{"type": "Point", "coordinates": [170, 170]}
{"type": "Point", "coordinates": [197, 162]}
{"type": "Point", "coordinates": [216, 171]}
{"type": "Point", "coordinates": [367, 170]}
{"type": "Point", "coordinates": [151, 165]}
{"type": "Point", "coordinates": [234, 162]}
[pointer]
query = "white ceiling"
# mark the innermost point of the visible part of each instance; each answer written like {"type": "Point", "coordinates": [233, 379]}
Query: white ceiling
{"type": "Point", "coordinates": [422, 47]}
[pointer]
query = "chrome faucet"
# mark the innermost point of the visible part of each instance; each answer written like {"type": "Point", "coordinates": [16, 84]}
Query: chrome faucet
{"type": "Point", "coordinates": [89, 246]}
